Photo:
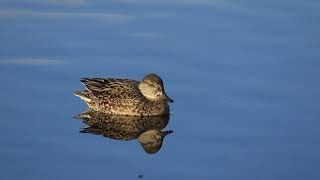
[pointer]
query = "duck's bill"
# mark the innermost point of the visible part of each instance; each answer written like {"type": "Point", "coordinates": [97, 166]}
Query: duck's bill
{"type": "Point", "coordinates": [164, 133]}
{"type": "Point", "coordinates": [167, 98]}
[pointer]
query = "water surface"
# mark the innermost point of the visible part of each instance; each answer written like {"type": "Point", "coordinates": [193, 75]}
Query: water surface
{"type": "Point", "coordinates": [244, 77]}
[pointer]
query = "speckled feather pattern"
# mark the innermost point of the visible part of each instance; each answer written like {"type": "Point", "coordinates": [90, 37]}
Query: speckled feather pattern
{"type": "Point", "coordinates": [121, 97]}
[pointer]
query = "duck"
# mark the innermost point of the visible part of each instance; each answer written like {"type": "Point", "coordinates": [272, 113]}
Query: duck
{"type": "Point", "coordinates": [125, 96]}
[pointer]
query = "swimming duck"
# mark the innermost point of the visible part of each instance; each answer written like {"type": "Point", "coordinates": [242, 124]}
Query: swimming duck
{"type": "Point", "coordinates": [125, 96]}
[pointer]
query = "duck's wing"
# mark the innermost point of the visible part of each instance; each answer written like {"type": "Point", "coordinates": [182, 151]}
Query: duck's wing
{"type": "Point", "coordinates": [121, 88]}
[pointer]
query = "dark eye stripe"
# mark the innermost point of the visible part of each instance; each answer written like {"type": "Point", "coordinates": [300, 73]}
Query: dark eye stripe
{"type": "Point", "coordinates": [150, 84]}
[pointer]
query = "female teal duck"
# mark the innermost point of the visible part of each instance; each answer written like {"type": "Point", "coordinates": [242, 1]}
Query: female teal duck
{"type": "Point", "coordinates": [125, 96]}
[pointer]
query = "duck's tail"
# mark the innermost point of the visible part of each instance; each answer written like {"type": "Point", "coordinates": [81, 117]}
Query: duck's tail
{"type": "Point", "coordinates": [84, 96]}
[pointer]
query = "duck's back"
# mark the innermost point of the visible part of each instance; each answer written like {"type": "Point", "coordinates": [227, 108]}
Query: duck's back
{"type": "Point", "coordinates": [113, 88]}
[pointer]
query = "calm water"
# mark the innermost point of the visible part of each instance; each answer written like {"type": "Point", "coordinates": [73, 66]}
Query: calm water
{"type": "Point", "coordinates": [244, 77]}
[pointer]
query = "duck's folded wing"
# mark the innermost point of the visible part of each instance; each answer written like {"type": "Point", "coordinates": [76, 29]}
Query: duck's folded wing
{"type": "Point", "coordinates": [122, 88]}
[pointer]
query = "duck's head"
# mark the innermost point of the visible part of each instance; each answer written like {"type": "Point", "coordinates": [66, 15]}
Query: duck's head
{"type": "Point", "coordinates": [152, 88]}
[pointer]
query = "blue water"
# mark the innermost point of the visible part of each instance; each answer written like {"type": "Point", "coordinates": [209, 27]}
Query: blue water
{"type": "Point", "coordinates": [244, 77]}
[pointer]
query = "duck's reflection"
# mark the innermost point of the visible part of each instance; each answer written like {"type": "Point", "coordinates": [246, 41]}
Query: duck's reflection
{"type": "Point", "coordinates": [146, 129]}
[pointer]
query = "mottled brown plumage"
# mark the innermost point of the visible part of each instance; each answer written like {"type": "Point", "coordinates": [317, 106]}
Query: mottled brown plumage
{"type": "Point", "coordinates": [125, 96]}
